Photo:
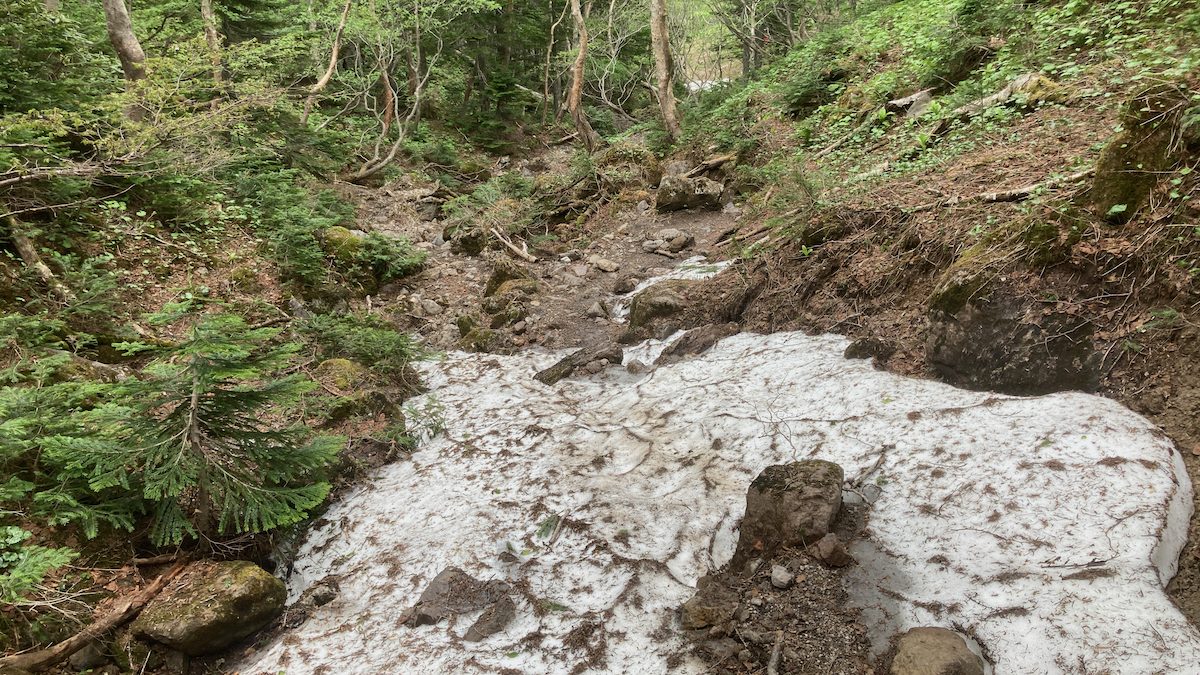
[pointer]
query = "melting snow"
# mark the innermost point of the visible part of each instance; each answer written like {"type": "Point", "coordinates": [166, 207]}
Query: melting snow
{"type": "Point", "coordinates": [1044, 527]}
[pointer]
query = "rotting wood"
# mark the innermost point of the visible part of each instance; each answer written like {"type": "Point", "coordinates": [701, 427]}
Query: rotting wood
{"type": "Point", "coordinates": [29, 254]}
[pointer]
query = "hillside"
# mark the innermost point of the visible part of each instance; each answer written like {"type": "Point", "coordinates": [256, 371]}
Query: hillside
{"type": "Point", "coordinates": [322, 304]}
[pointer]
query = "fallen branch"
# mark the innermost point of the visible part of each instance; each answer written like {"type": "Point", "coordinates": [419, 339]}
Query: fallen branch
{"type": "Point", "coordinates": [710, 164]}
{"type": "Point", "coordinates": [125, 610]}
{"type": "Point", "coordinates": [33, 261]}
{"type": "Point", "coordinates": [1016, 195]}
{"type": "Point", "coordinates": [521, 253]}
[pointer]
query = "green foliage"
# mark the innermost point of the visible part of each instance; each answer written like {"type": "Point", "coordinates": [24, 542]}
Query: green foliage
{"type": "Point", "coordinates": [23, 566]}
{"type": "Point", "coordinates": [389, 258]}
{"type": "Point", "coordinates": [364, 338]}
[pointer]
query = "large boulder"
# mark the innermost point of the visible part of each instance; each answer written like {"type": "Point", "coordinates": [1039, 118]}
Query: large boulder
{"type": "Point", "coordinates": [664, 299]}
{"type": "Point", "coordinates": [934, 651]}
{"type": "Point", "coordinates": [994, 343]}
{"type": "Point", "coordinates": [676, 193]}
{"type": "Point", "coordinates": [789, 505]}
{"type": "Point", "coordinates": [212, 606]}
{"type": "Point", "coordinates": [505, 270]}
{"type": "Point", "coordinates": [714, 603]}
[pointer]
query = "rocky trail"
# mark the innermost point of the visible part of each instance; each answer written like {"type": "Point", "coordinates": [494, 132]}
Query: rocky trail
{"type": "Point", "coordinates": [600, 502]}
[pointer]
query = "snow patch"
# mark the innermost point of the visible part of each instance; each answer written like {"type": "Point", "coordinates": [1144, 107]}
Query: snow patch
{"type": "Point", "coordinates": [1043, 527]}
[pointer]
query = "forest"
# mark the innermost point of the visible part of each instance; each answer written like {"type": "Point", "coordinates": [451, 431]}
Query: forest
{"type": "Point", "coordinates": [260, 258]}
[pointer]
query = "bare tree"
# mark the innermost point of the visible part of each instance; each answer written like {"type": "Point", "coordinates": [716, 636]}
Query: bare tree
{"type": "Point", "coordinates": [213, 37]}
{"type": "Point", "coordinates": [120, 34]}
{"type": "Point", "coordinates": [663, 66]}
{"type": "Point", "coordinates": [334, 53]}
{"type": "Point", "coordinates": [575, 94]}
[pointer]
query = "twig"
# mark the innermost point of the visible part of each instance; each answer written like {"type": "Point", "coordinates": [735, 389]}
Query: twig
{"type": "Point", "coordinates": [523, 255]}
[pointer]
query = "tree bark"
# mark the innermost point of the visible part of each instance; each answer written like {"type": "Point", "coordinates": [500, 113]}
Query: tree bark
{"type": "Point", "coordinates": [334, 52]}
{"type": "Point", "coordinates": [663, 66]}
{"type": "Point", "coordinates": [213, 38]}
{"type": "Point", "coordinates": [29, 255]}
{"type": "Point", "coordinates": [120, 34]}
{"type": "Point", "coordinates": [575, 94]}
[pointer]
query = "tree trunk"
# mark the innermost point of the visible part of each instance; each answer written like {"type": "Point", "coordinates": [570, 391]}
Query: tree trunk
{"type": "Point", "coordinates": [663, 66]}
{"type": "Point", "coordinates": [120, 33]}
{"type": "Point", "coordinates": [213, 38]}
{"type": "Point", "coordinates": [334, 52]}
{"type": "Point", "coordinates": [575, 94]}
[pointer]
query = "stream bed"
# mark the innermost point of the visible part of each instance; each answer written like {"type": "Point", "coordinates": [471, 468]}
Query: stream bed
{"type": "Point", "coordinates": [1043, 527]}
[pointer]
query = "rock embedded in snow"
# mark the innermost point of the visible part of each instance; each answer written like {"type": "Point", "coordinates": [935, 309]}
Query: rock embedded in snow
{"type": "Point", "coordinates": [714, 603]}
{"type": "Point", "coordinates": [934, 651]}
{"type": "Point", "coordinates": [789, 505]}
{"type": "Point", "coordinates": [453, 592]}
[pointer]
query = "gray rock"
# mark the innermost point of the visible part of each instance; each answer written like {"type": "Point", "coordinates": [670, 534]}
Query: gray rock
{"type": "Point", "coordinates": [789, 505]}
{"type": "Point", "coordinates": [597, 310]}
{"type": "Point", "coordinates": [493, 620]}
{"type": "Point", "coordinates": [431, 307]}
{"type": "Point", "coordinates": [676, 193]}
{"type": "Point", "coordinates": [712, 604]}
{"type": "Point", "coordinates": [1006, 346]}
{"type": "Point", "coordinates": [934, 651]}
{"type": "Point", "coordinates": [91, 656]}
{"type": "Point", "coordinates": [626, 284]}
{"type": "Point", "coordinates": [603, 264]}
{"type": "Point", "coordinates": [652, 245]}
{"type": "Point", "coordinates": [676, 167]}
{"type": "Point", "coordinates": [568, 364]}
{"type": "Point", "coordinates": [211, 607]}
{"type": "Point", "coordinates": [781, 578]}
{"type": "Point", "coordinates": [660, 300]}
{"type": "Point", "coordinates": [696, 341]}
{"type": "Point", "coordinates": [503, 271]}
{"type": "Point", "coordinates": [453, 592]}
{"type": "Point", "coordinates": [674, 240]}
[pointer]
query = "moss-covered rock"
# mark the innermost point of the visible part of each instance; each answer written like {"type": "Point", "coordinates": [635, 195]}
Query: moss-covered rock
{"type": "Point", "coordinates": [211, 607]}
{"type": "Point", "coordinates": [341, 244]}
{"type": "Point", "coordinates": [341, 373]}
{"type": "Point", "coordinates": [660, 300]}
{"type": "Point", "coordinates": [479, 340]}
{"type": "Point", "coordinates": [1130, 164]}
{"type": "Point", "coordinates": [505, 270]}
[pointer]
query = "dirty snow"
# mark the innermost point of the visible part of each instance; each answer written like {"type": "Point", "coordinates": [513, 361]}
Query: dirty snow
{"type": "Point", "coordinates": [1043, 527]}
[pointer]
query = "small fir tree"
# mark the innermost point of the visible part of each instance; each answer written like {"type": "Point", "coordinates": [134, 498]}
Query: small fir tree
{"type": "Point", "coordinates": [204, 444]}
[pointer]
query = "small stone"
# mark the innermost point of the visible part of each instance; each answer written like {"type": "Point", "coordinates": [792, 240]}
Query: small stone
{"type": "Point", "coordinates": [595, 367]}
{"type": "Point", "coordinates": [604, 264]}
{"type": "Point", "coordinates": [833, 552]}
{"type": "Point", "coordinates": [519, 327]}
{"type": "Point", "coordinates": [597, 310]}
{"type": "Point", "coordinates": [580, 270]}
{"type": "Point", "coordinates": [756, 601]}
{"type": "Point", "coordinates": [751, 636]}
{"type": "Point", "coordinates": [493, 620]}
{"type": "Point", "coordinates": [746, 656]}
{"type": "Point", "coordinates": [431, 307]}
{"type": "Point", "coordinates": [781, 578]}
{"type": "Point", "coordinates": [626, 285]}
{"type": "Point", "coordinates": [636, 367]}
{"type": "Point", "coordinates": [643, 206]}
{"type": "Point", "coordinates": [652, 245]}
